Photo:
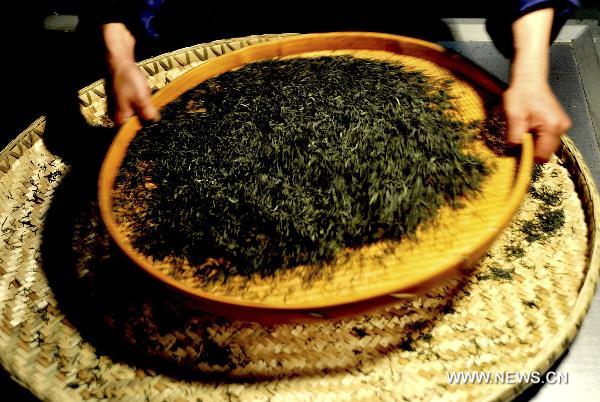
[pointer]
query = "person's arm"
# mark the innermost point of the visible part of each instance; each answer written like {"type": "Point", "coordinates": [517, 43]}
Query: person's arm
{"type": "Point", "coordinates": [529, 103]}
{"type": "Point", "coordinates": [128, 84]}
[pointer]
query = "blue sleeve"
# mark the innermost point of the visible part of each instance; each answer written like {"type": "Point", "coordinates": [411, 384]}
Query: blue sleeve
{"type": "Point", "coordinates": [137, 15]}
{"type": "Point", "coordinates": [565, 7]}
{"type": "Point", "coordinates": [147, 14]}
{"type": "Point", "coordinates": [499, 22]}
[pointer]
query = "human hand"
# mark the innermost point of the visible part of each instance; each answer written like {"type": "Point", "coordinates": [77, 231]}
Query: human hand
{"type": "Point", "coordinates": [128, 90]}
{"type": "Point", "coordinates": [131, 94]}
{"type": "Point", "coordinates": [531, 106]}
{"type": "Point", "coordinates": [529, 103]}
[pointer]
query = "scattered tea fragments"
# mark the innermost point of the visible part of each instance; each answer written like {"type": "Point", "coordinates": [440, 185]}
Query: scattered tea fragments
{"type": "Point", "coordinates": [288, 162]}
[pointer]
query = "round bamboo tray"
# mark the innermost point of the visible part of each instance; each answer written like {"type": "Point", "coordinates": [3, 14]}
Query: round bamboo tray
{"type": "Point", "coordinates": [76, 324]}
{"type": "Point", "coordinates": [369, 279]}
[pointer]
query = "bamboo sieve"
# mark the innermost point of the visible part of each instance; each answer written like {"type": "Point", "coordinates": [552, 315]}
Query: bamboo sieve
{"type": "Point", "coordinates": [368, 279]}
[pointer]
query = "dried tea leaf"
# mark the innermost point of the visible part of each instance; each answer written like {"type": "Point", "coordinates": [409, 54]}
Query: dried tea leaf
{"type": "Point", "coordinates": [287, 162]}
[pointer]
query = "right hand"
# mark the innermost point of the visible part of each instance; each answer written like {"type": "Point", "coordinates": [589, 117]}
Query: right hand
{"type": "Point", "coordinates": [530, 104]}
{"type": "Point", "coordinates": [532, 107]}
{"type": "Point", "coordinates": [131, 94]}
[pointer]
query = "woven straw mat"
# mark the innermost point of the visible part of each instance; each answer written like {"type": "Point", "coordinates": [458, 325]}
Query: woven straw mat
{"type": "Point", "coordinates": [77, 323]}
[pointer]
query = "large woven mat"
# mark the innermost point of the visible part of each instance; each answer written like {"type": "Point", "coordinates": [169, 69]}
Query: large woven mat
{"type": "Point", "coordinates": [78, 322]}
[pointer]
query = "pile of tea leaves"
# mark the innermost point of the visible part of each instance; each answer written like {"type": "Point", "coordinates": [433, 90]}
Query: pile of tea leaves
{"type": "Point", "coordinates": [287, 162]}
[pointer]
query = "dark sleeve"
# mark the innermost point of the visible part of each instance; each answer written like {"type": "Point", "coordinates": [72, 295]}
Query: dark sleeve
{"type": "Point", "coordinates": [112, 11]}
{"type": "Point", "coordinates": [500, 19]}
{"type": "Point", "coordinates": [564, 7]}
{"type": "Point", "coordinates": [95, 14]}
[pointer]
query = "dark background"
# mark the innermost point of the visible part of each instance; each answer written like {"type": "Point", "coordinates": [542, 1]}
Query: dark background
{"type": "Point", "coordinates": [33, 58]}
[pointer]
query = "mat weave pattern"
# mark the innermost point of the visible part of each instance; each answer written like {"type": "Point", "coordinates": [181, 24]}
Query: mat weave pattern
{"type": "Point", "coordinates": [77, 323]}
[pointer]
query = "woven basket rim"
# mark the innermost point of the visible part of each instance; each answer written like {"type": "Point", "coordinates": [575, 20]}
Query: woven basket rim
{"type": "Point", "coordinates": [563, 338]}
{"type": "Point", "coordinates": [542, 361]}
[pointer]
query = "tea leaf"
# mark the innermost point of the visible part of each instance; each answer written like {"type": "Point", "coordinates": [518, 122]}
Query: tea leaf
{"type": "Point", "coordinates": [290, 161]}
